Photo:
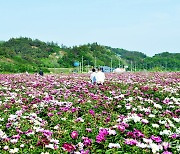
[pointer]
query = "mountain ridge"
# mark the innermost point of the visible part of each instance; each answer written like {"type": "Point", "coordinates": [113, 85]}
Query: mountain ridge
{"type": "Point", "coordinates": [25, 54]}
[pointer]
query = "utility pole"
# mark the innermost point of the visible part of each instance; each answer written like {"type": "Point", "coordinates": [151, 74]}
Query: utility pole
{"type": "Point", "coordinates": [131, 65]}
{"type": "Point", "coordinates": [166, 65]}
{"type": "Point", "coordinates": [135, 66]}
{"type": "Point", "coordinates": [95, 62]}
{"type": "Point", "coordinates": [82, 64]}
{"type": "Point", "coordinates": [79, 67]}
{"type": "Point", "coordinates": [111, 64]}
{"type": "Point", "coordinates": [88, 66]}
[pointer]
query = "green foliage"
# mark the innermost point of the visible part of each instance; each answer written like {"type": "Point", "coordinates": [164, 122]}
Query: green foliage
{"type": "Point", "coordinates": [24, 54]}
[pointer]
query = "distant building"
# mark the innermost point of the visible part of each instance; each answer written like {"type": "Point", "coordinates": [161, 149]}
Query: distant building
{"type": "Point", "coordinates": [119, 70]}
{"type": "Point", "coordinates": [106, 69]}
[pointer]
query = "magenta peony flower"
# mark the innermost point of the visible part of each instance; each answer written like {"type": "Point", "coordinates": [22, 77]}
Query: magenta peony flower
{"type": "Point", "coordinates": [100, 138]}
{"type": "Point", "coordinates": [47, 133]}
{"type": "Point", "coordinates": [86, 141]}
{"type": "Point", "coordinates": [74, 135]}
{"type": "Point", "coordinates": [156, 138]}
{"type": "Point", "coordinates": [174, 136]}
{"type": "Point", "coordinates": [121, 128]}
{"type": "Point", "coordinates": [91, 112]}
{"type": "Point", "coordinates": [68, 147]}
{"type": "Point", "coordinates": [103, 131]}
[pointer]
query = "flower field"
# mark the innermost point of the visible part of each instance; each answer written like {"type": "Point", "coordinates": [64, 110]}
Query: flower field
{"type": "Point", "coordinates": [130, 113]}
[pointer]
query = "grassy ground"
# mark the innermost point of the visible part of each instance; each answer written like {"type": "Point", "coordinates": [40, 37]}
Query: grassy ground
{"type": "Point", "coordinates": [61, 70]}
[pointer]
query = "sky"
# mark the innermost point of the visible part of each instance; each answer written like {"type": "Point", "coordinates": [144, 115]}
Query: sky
{"type": "Point", "coordinates": [148, 26]}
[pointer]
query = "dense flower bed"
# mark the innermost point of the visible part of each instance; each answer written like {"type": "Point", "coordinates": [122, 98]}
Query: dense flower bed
{"type": "Point", "coordinates": [131, 112]}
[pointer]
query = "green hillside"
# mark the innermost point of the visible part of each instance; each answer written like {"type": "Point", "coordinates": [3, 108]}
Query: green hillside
{"type": "Point", "coordinates": [25, 54]}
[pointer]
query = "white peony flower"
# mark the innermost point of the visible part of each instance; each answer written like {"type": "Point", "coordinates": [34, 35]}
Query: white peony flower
{"type": "Point", "coordinates": [155, 125]}
{"type": "Point", "coordinates": [6, 147]}
{"type": "Point", "coordinates": [1, 119]}
{"type": "Point", "coordinates": [15, 150]}
{"type": "Point", "coordinates": [145, 121]}
{"type": "Point", "coordinates": [22, 145]}
{"type": "Point", "coordinates": [114, 145]}
{"type": "Point", "coordinates": [111, 132]}
{"type": "Point", "coordinates": [14, 141]}
{"type": "Point", "coordinates": [151, 115]}
{"type": "Point", "coordinates": [165, 132]}
{"type": "Point", "coordinates": [51, 146]}
{"type": "Point", "coordinates": [176, 119]}
{"type": "Point", "coordinates": [157, 106]}
{"type": "Point", "coordinates": [149, 141]}
{"type": "Point", "coordinates": [154, 147]}
{"type": "Point", "coordinates": [141, 145]}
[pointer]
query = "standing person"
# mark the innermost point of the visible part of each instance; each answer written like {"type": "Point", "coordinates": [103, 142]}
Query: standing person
{"type": "Point", "coordinates": [93, 76]}
{"type": "Point", "coordinates": [100, 76]}
{"type": "Point", "coordinates": [41, 73]}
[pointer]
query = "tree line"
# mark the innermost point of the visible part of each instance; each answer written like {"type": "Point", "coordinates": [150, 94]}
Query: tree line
{"type": "Point", "coordinates": [25, 54]}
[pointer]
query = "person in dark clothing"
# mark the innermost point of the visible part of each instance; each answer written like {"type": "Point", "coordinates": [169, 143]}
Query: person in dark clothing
{"type": "Point", "coordinates": [41, 73]}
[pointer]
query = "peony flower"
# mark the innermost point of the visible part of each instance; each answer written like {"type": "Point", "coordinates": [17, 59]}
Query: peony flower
{"type": "Point", "coordinates": [50, 146]}
{"type": "Point", "coordinates": [166, 145]}
{"type": "Point", "coordinates": [22, 146]}
{"type": "Point", "coordinates": [68, 147]}
{"type": "Point", "coordinates": [154, 147]}
{"type": "Point", "coordinates": [80, 146]}
{"type": "Point", "coordinates": [155, 125]}
{"type": "Point", "coordinates": [14, 141]}
{"type": "Point", "coordinates": [47, 133]}
{"type": "Point", "coordinates": [86, 141]}
{"type": "Point", "coordinates": [145, 121]}
{"type": "Point", "coordinates": [131, 141]}
{"type": "Point", "coordinates": [88, 130]}
{"type": "Point", "coordinates": [167, 152]}
{"type": "Point", "coordinates": [15, 150]}
{"type": "Point", "coordinates": [148, 141]}
{"type": "Point", "coordinates": [6, 147]}
{"type": "Point", "coordinates": [156, 138]}
{"type": "Point", "coordinates": [100, 138]}
{"type": "Point", "coordinates": [121, 128]}
{"type": "Point", "coordinates": [74, 135]}
{"type": "Point", "coordinates": [91, 112]}
{"type": "Point", "coordinates": [141, 145]}
{"type": "Point", "coordinates": [50, 114]}
{"type": "Point", "coordinates": [114, 145]}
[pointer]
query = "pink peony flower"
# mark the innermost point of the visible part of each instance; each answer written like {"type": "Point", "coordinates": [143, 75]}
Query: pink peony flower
{"type": "Point", "coordinates": [166, 145]}
{"type": "Point", "coordinates": [50, 114]}
{"type": "Point", "coordinates": [121, 128]}
{"type": "Point", "coordinates": [74, 135]}
{"type": "Point", "coordinates": [131, 141]}
{"type": "Point", "coordinates": [85, 152]}
{"type": "Point", "coordinates": [156, 138]}
{"type": "Point", "coordinates": [167, 152]}
{"type": "Point", "coordinates": [88, 130]}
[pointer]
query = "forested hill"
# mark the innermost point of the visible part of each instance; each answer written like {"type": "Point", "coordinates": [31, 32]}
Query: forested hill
{"type": "Point", "coordinates": [25, 54]}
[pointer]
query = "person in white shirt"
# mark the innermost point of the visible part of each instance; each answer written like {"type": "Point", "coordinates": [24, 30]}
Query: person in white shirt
{"type": "Point", "coordinates": [93, 76]}
{"type": "Point", "coordinates": [100, 76]}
